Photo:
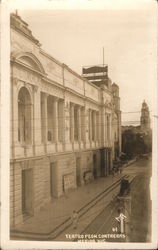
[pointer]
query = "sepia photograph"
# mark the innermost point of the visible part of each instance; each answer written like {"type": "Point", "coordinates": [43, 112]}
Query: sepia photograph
{"type": "Point", "coordinates": [82, 158]}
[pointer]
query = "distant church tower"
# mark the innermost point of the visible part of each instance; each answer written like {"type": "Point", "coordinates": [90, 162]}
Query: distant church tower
{"type": "Point", "coordinates": [145, 117]}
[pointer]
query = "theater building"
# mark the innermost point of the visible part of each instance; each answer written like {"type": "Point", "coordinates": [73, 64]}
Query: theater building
{"type": "Point", "coordinates": [64, 129]}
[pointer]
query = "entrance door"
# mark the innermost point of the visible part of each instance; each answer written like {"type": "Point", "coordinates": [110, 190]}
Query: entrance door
{"type": "Point", "coordinates": [102, 161]}
{"type": "Point", "coordinates": [95, 166]}
{"type": "Point", "coordinates": [27, 191]}
{"type": "Point", "coordinates": [106, 162]}
{"type": "Point", "coordinates": [109, 161]}
{"type": "Point", "coordinates": [78, 171]}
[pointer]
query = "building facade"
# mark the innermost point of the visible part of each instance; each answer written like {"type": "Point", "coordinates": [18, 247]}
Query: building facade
{"type": "Point", "coordinates": [64, 129]}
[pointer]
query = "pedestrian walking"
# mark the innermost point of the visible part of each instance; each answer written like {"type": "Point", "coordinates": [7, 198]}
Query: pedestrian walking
{"type": "Point", "coordinates": [75, 219]}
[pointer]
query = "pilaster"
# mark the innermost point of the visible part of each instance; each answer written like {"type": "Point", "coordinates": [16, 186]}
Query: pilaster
{"type": "Point", "coordinates": [45, 121]}
{"type": "Point", "coordinates": [55, 120]}
{"type": "Point", "coordinates": [36, 119]}
{"type": "Point", "coordinates": [95, 127]}
{"type": "Point", "coordinates": [14, 111]}
{"type": "Point", "coordinates": [90, 127]}
{"type": "Point", "coordinates": [79, 123]}
{"type": "Point", "coordinates": [72, 122]}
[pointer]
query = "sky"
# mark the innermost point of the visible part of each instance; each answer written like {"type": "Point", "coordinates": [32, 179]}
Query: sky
{"type": "Point", "coordinates": [76, 37]}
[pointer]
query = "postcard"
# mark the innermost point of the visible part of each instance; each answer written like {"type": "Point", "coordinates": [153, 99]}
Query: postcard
{"type": "Point", "coordinates": [79, 124]}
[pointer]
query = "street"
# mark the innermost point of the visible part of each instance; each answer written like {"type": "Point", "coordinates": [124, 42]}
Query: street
{"type": "Point", "coordinates": [99, 211]}
{"type": "Point", "coordinates": [105, 226]}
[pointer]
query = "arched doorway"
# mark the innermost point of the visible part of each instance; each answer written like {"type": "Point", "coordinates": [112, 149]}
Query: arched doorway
{"type": "Point", "coordinates": [95, 166]}
{"type": "Point", "coordinates": [24, 116]}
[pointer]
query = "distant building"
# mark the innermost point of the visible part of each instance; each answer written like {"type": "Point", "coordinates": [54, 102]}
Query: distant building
{"type": "Point", "coordinates": [138, 139]}
{"type": "Point", "coordinates": [145, 118]}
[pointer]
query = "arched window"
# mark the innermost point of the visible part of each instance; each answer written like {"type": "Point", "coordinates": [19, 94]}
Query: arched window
{"type": "Point", "coordinates": [24, 116]}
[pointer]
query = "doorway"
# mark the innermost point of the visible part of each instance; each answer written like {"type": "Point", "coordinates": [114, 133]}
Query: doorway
{"type": "Point", "coordinates": [78, 171]}
{"type": "Point", "coordinates": [102, 161]}
{"type": "Point", "coordinates": [27, 191]}
{"type": "Point", "coordinates": [95, 166]}
{"type": "Point", "coordinates": [109, 161]}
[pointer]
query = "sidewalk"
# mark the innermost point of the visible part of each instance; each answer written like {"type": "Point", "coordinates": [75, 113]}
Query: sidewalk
{"type": "Point", "coordinates": [58, 210]}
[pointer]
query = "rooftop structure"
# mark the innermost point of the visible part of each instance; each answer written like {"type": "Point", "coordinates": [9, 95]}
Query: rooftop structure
{"type": "Point", "coordinates": [97, 74]}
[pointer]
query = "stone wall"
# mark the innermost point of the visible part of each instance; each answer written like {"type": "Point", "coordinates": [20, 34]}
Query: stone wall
{"type": "Point", "coordinates": [64, 179]}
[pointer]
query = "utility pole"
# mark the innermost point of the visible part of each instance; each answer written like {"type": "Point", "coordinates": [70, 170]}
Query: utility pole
{"type": "Point", "coordinates": [125, 225]}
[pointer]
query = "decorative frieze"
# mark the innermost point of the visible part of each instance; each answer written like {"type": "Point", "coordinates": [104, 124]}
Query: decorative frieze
{"type": "Point", "coordinates": [26, 75]}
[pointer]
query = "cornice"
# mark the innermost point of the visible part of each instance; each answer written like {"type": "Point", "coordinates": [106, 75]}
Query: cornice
{"type": "Point", "coordinates": [23, 65]}
{"type": "Point", "coordinates": [31, 38]}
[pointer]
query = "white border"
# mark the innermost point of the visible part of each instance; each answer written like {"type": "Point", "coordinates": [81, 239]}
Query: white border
{"type": "Point", "coordinates": [5, 124]}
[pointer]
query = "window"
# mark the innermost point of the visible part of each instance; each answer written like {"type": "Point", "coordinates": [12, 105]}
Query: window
{"type": "Point", "coordinates": [93, 125]}
{"type": "Point", "coordinates": [108, 128]}
{"type": "Point", "coordinates": [83, 124]}
{"type": "Point", "coordinates": [24, 116]}
{"type": "Point", "coordinates": [60, 120]}
{"type": "Point", "coordinates": [76, 124]}
{"type": "Point", "coordinates": [50, 118]}
{"type": "Point", "coordinates": [43, 117]}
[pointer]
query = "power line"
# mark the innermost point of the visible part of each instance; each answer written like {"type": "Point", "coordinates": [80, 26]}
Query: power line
{"type": "Point", "coordinates": [133, 112]}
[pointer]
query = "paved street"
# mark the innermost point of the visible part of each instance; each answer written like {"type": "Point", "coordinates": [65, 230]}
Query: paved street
{"type": "Point", "coordinates": [98, 218]}
{"type": "Point", "coordinates": [140, 221]}
{"type": "Point", "coordinates": [59, 210]}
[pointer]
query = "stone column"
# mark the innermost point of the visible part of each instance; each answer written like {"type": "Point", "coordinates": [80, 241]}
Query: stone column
{"type": "Point", "coordinates": [106, 128]}
{"type": "Point", "coordinates": [83, 125]}
{"type": "Point", "coordinates": [61, 125]}
{"type": "Point", "coordinates": [90, 126]}
{"type": "Point", "coordinates": [66, 122]}
{"type": "Point", "coordinates": [103, 126]}
{"type": "Point", "coordinates": [55, 119]}
{"type": "Point", "coordinates": [110, 130]}
{"type": "Point", "coordinates": [37, 117]}
{"type": "Point", "coordinates": [95, 127]}
{"type": "Point", "coordinates": [44, 121]}
{"type": "Point", "coordinates": [86, 126]}
{"type": "Point", "coordinates": [99, 131]}
{"type": "Point", "coordinates": [14, 117]}
{"type": "Point", "coordinates": [72, 122]}
{"type": "Point", "coordinates": [79, 123]}
{"type": "Point", "coordinates": [97, 118]}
